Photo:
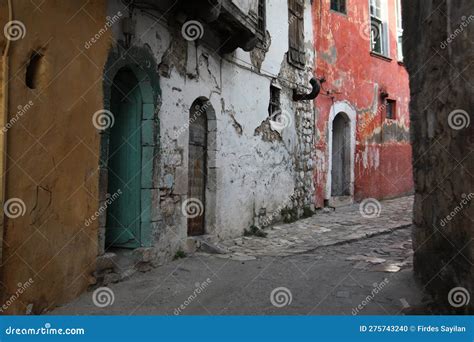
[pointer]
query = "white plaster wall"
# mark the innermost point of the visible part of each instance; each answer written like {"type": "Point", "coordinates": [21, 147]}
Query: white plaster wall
{"type": "Point", "coordinates": [246, 5]}
{"type": "Point", "coordinates": [251, 173]}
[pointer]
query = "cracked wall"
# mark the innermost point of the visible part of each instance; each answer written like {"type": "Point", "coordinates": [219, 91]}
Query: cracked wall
{"type": "Point", "coordinates": [53, 153]}
{"type": "Point", "coordinates": [55, 166]}
{"type": "Point", "coordinates": [251, 174]}
{"type": "Point", "coordinates": [382, 160]}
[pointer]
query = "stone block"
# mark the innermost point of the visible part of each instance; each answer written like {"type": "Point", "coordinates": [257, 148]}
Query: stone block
{"type": "Point", "coordinates": [106, 261]}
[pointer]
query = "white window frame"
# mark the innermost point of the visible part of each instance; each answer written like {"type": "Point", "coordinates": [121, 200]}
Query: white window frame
{"type": "Point", "coordinates": [383, 19]}
{"type": "Point", "coordinates": [399, 31]}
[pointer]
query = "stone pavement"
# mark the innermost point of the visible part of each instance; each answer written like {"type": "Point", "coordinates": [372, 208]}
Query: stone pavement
{"type": "Point", "coordinates": [325, 228]}
{"type": "Point", "coordinates": [370, 276]}
{"type": "Point", "coordinates": [333, 263]}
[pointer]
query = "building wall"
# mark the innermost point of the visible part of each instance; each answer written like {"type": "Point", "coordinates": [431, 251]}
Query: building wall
{"type": "Point", "coordinates": [355, 78]}
{"type": "Point", "coordinates": [255, 170]}
{"type": "Point", "coordinates": [52, 152]}
{"type": "Point", "coordinates": [55, 150]}
{"type": "Point", "coordinates": [442, 131]}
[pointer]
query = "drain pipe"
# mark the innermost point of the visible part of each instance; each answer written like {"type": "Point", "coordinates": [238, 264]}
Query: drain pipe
{"type": "Point", "coordinates": [316, 84]}
{"type": "Point", "coordinates": [3, 140]}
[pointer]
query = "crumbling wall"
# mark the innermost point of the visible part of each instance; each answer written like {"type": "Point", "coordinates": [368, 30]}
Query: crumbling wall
{"type": "Point", "coordinates": [253, 177]}
{"type": "Point", "coordinates": [382, 166]}
{"type": "Point", "coordinates": [439, 51]}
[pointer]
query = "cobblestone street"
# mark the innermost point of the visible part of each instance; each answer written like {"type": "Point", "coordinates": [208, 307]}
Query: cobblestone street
{"type": "Point", "coordinates": [334, 226]}
{"type": "Point", "coordinates": [332, 263]}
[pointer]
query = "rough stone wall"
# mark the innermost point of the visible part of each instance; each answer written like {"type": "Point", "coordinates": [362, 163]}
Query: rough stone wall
{"type": "Point", "coordinates": [253, 169]}
{"type": "Point", "coordinates": [439, 50]}
{"type": "Point", "coordinates": [356, 78]}
{"type": "Point", "coordinates": [52, 153]}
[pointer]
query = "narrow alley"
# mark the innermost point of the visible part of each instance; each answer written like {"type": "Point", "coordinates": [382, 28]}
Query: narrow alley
{"type": "Point", "coordinates": [361, 263]}
{"type": "Point", "coordinates": [237, 157]}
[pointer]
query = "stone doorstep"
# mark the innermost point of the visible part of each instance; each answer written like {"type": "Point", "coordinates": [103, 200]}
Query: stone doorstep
{"type": "Point", "coordinates": [341, 201]}
{"type": "Point", "coordinates": [204, 244]}
{"type": "Point", "coordinates": [113, 268]}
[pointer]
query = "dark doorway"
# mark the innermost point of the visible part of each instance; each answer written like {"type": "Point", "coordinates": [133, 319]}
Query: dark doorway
{"type": "Point", "coordinates": [197, 166]}
{"type": "Point", "coordinates": [340, 173]}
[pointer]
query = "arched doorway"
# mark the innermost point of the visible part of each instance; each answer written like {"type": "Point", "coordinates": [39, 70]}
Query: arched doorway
{"type": "Point", "coordinates": [197, 165]}
{"type": "Point", "coordinates": [124, 162]}
{"type": "Point", "coordinates": [341, 153]}
{"type": "Point", "coordinates": [131, 92]}
{"type": "Point", "coordinates": [341, 156]}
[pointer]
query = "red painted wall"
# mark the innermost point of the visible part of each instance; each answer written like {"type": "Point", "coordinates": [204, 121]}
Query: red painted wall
{"type": "Point", "coordinates": [382, 150]}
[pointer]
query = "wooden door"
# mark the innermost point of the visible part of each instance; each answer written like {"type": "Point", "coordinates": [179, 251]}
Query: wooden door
{"type": "Point", "coordinates": [123, 213]}
{"type": "Point", "coordinates": [340, 157]}
{"type": "Point", "coordinates": [197, 169]}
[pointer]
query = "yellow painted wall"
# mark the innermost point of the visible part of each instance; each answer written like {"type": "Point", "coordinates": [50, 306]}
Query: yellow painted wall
{"type": "Point", "coordinates": [53, 149]}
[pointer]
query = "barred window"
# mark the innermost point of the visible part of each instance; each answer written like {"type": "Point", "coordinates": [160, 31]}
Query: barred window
{"type": "Point", "coordinates": [274, 105]}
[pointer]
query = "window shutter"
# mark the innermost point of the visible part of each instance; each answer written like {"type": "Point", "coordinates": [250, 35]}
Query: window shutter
{"type": "Point", "coordinates": [296, 54]}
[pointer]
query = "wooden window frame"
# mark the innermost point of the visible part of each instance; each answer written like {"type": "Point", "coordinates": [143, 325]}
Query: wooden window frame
{"type": "Point", "coordinates": [378, 20]}
{"type": "Point", "coordinates": [399, 31]}
{"type": "Point", "coordinates": [296, 53]}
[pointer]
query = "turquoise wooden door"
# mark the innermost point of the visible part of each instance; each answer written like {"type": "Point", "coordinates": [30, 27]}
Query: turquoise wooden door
{"type": "Point", "coordinates": [123, 213]}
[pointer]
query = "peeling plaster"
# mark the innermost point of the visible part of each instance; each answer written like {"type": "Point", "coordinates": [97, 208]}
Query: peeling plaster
{"type": "Point", "coordinates": [257, 55]}
{"type": "Point", "coordinates": [330, 55]}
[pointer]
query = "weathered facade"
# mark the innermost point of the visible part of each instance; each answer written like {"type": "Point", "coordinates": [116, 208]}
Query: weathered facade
{"type": "Point", "coordinates": [150, 124]}
{"type": "Point", "coordinates": [362, 147]}
{"type": "Point", "coordinates": [52, 150]}
{"type": "Point", "coordinates": [439, 52]}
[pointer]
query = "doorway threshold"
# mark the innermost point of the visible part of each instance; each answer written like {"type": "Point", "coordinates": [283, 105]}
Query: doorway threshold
{"type": "Point", "coordinates": [341, 201]}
